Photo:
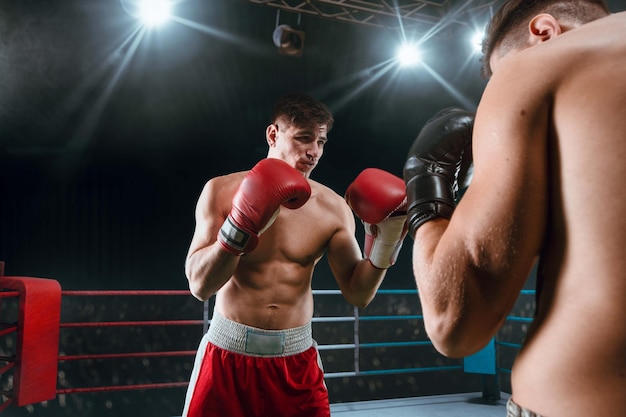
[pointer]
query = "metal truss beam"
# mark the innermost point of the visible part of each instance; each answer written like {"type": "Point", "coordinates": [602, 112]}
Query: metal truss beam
{"type": "Point", "coordinates": [409, 15]}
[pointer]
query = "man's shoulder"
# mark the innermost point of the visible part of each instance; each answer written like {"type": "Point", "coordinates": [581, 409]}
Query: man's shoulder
{"type": "Point", "coordinates": [223, 183]}
{"type": "Point", "coordinates": [324, 191]}
{"type": "Point", "coordinates": [328, 198]}
{"type": "Point", "coordinates": [224, 179]}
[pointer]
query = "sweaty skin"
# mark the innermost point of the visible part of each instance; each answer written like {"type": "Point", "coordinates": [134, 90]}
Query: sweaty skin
{"type": "Point", "coordinates": [270, 287]}
{"type": "Point", "coordinates": [549, 152]}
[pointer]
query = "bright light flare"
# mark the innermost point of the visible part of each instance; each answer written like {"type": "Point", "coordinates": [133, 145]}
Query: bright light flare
{"type": "Point", "coordinates": [408, 55]}
{"type": "Point", "coordinates": [154, 12]}
{"type": "Point", "coordinates": [477, 41]}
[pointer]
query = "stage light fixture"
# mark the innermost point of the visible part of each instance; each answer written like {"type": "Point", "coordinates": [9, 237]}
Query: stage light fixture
{"type": "Point", "coordinates": [408, 55]}
{"type": "Point", "coordinates": [289, 41]}
{"type": "Point", "coordinates": [154, 12]}
{"type": "Point", "coordinates": [150, 13]}
{"type": "Point", "coordinates": [477, 41]}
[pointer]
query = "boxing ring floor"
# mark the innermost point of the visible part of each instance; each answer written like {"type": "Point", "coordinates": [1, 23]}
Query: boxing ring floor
{"type": "Point", "coordinates": [466, 404]}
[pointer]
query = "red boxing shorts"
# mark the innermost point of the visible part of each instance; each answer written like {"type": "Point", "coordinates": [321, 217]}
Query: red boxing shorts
{"type": "Point", "coordinates": [242, 371]}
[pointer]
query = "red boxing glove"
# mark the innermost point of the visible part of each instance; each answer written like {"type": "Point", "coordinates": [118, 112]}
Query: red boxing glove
{"type": "Point", "coordinates": [378, 198]}
{"type": "Point", "coordinates": [270, 184]}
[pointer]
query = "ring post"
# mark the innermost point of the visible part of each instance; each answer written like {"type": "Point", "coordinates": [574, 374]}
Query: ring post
{"type": "Point", "coordinates": [37, 345]}
{"type": "Point", "coordinates": [484, 362]}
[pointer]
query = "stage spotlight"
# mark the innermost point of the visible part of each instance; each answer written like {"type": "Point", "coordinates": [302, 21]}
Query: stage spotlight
{"type": "Point", "coordinates": [154, 12]}
{"type": "Point", "coordinates": [477, 41]}
{"type": "Point", "coordinates": [408, 55]}
{"type": "Point", "coordinates": [289, 41]}
{"type": "Point", "coordinates": [151, 13]}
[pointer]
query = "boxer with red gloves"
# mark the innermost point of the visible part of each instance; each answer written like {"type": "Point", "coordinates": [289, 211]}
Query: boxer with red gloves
{"type": "Point", "coordinates": [258, 236]}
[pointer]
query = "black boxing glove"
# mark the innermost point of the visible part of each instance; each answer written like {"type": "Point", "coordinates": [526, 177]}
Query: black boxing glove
{"type": "Point", "coordinates": [439, 160]}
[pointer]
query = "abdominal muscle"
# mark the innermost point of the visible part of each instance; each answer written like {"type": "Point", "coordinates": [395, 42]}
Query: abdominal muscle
{"type": "Point", "coordinates": [277, 297]}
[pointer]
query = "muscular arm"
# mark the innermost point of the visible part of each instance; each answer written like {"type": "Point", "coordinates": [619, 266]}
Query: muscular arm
{"type": "Point", "coordinates": [208, 267]}
{"type": "Point", "coordinates": [469, 270]}
{"type": "Point", "coordinates": [357, 278]}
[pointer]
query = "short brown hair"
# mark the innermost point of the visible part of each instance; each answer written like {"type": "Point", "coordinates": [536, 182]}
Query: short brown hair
{"type": "Point", "coordinates": [302, 108]}
{"type": "Point", "coordinates": [507, 29]}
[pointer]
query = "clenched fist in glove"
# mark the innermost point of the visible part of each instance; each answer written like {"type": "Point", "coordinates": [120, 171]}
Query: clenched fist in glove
{"type": "Point", "coordinates": [270, 184]}
{"type": "Point", "coordinates": [438, 162]}
{"type": "Point", "coordinates": [378, 198]}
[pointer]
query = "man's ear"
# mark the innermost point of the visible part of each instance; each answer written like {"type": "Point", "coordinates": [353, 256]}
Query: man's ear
{"type": "Point", "coordinates": [543, 27]}
{"type": "Point", "coordinates": [270, 134]}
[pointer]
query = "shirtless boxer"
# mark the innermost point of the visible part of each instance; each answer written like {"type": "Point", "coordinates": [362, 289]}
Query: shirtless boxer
{"type": "Point", "coordinates": [258, 357]}
{"type": "Point", "coordinates": [549, 142]}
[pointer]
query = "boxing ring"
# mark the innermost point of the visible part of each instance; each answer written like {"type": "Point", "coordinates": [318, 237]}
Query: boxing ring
{"type": "Point", "coordinates": [354, 345]}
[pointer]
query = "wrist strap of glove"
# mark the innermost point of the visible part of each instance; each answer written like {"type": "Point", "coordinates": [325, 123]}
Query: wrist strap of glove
{"type": "Point", "coordinates": [234, 239]}
{"type": "Point", "coordinates": [239, 241]}
{"type": "Point", "coordinates": [429, 196]}
{"type": "Point", "coordinates": [424, 212]}
{"type": "Point", "coordinates": [383, 241]}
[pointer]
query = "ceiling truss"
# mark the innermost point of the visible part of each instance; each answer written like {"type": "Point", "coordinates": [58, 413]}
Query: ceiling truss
{"type": "Point", "coordinates": [418, 16]}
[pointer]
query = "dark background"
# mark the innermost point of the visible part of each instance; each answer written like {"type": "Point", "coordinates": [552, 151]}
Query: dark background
{"type": "Point", "coordinates": [105, 149]}
{"type": "Point", "coordinates": [106, 140]}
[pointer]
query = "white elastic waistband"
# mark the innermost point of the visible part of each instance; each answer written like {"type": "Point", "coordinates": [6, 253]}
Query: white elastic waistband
{"type": "Point", "coordinates": [239, 338]}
